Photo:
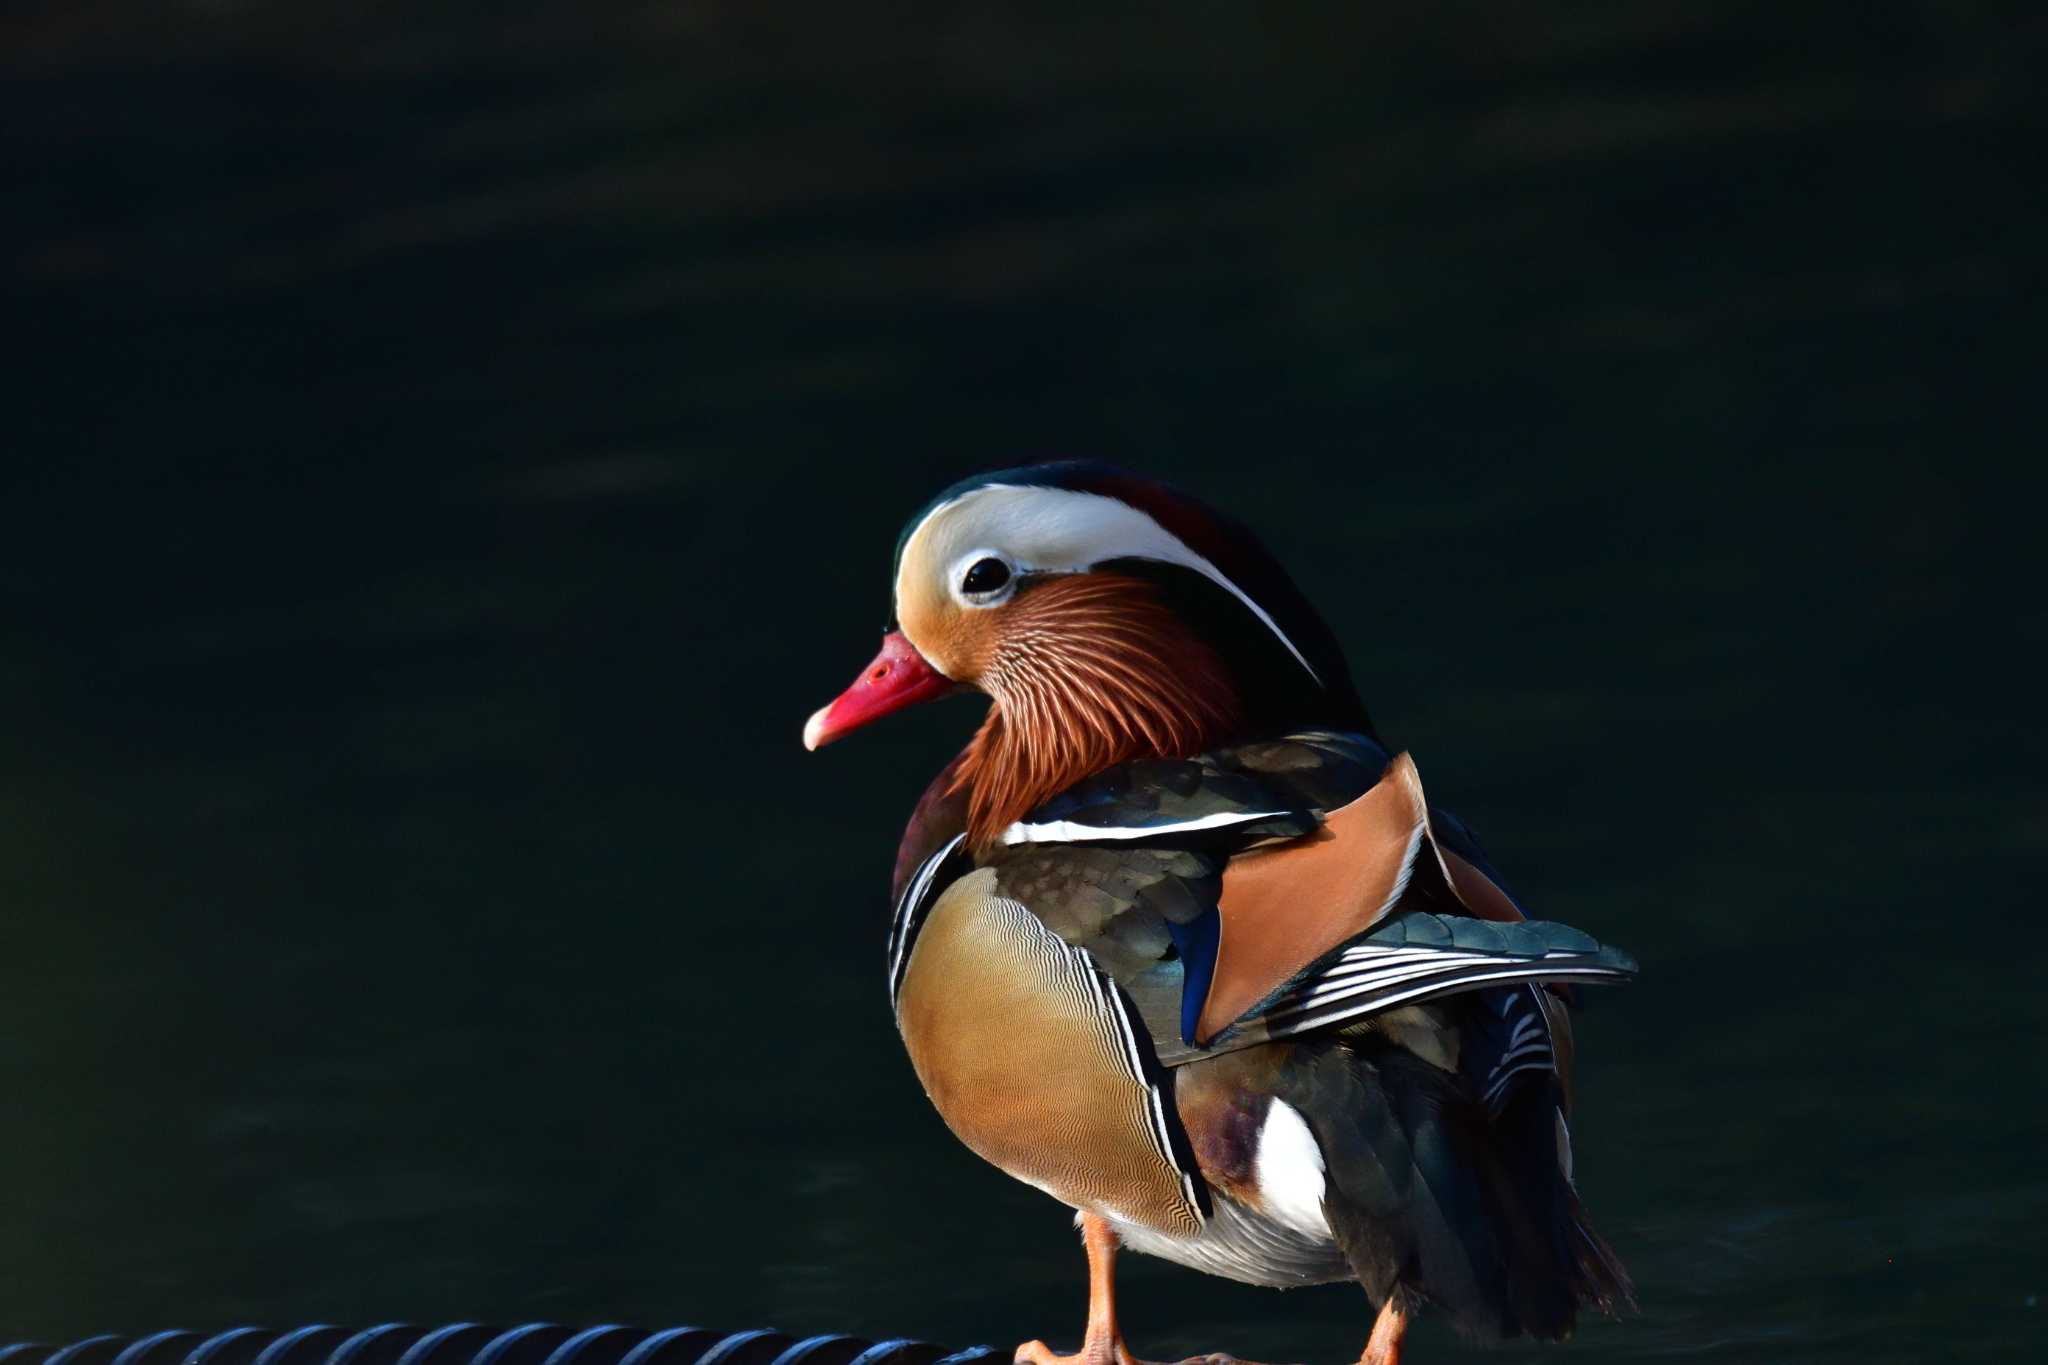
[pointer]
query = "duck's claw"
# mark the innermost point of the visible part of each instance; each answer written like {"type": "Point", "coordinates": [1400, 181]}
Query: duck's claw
{"type": "Point", "coordinates": [1112, 1352]}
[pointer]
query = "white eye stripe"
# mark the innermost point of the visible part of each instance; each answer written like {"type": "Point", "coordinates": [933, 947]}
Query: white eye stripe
{"type": "Point", "coordinates": [1054, 530]}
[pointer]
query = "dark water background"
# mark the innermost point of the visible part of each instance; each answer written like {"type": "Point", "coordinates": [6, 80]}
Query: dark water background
{"type": "Point", "coordinates": [452, 447]}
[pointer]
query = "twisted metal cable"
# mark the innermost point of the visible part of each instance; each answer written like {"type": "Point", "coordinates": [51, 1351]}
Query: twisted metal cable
{"type": "Point", "coordinates": [473, 1343]}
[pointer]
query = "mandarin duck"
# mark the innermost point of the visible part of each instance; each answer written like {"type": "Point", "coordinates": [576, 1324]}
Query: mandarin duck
{"type": "Point", "coordinates": [1179, 942]}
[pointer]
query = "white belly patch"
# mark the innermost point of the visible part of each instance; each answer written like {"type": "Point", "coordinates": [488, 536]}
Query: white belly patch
{"type": "Point", "coordinates": [1288, 1169]}
{"type": "Point", "coordinates": [1242, 1244]}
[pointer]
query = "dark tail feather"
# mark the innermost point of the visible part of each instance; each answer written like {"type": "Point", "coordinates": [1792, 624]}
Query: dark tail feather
{"type": "Point", "coordinates": [1603, 1282]}
{"type": "Point", "coordinates": [1557, 1263]}
{"type": "Point", "coordinates": [1438, 1203]}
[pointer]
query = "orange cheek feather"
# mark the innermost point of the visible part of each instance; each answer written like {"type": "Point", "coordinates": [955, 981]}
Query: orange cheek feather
{"type": "Point", "coordinates": [1087, 671]}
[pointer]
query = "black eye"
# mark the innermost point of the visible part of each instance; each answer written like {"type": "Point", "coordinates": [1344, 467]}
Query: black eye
{"type": "Point", "coordinates": [987, 575]}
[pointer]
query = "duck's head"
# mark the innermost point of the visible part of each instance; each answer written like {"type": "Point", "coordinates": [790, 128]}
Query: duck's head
{"type": "Point", "coordinates": [1107, 616]}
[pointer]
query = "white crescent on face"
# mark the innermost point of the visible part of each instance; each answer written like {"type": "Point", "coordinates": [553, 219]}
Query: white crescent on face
{"type": "Point", "coordinates": [1039, 529]}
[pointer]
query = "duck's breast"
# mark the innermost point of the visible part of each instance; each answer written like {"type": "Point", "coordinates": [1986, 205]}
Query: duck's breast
{"type": "Point", "coordinates": [1033, 1058]}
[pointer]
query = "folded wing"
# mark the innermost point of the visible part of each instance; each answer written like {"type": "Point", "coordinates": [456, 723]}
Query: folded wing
{"type": "Point", "coordinates": [1281, 888]}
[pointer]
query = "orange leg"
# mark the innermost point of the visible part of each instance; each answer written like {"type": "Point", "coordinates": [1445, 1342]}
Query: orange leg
{"type": "Point", "coordinates": [1384, 1346]}
{"type": "Point", "coordinates": [1105, 1341]}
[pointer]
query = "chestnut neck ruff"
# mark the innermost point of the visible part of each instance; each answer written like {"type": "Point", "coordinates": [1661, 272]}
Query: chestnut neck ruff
{"type": "Point", "coordinates": [1092, 671]}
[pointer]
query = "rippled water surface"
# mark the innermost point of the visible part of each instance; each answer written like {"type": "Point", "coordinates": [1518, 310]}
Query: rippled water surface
{"type": "Point", "coordinates": [450, 452]}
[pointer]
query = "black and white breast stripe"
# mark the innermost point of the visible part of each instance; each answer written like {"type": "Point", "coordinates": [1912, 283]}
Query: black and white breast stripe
{"type": "Point", "coordinates": [1111, 1004]}
{"type": "Point", "coordinates": [911, 909]}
